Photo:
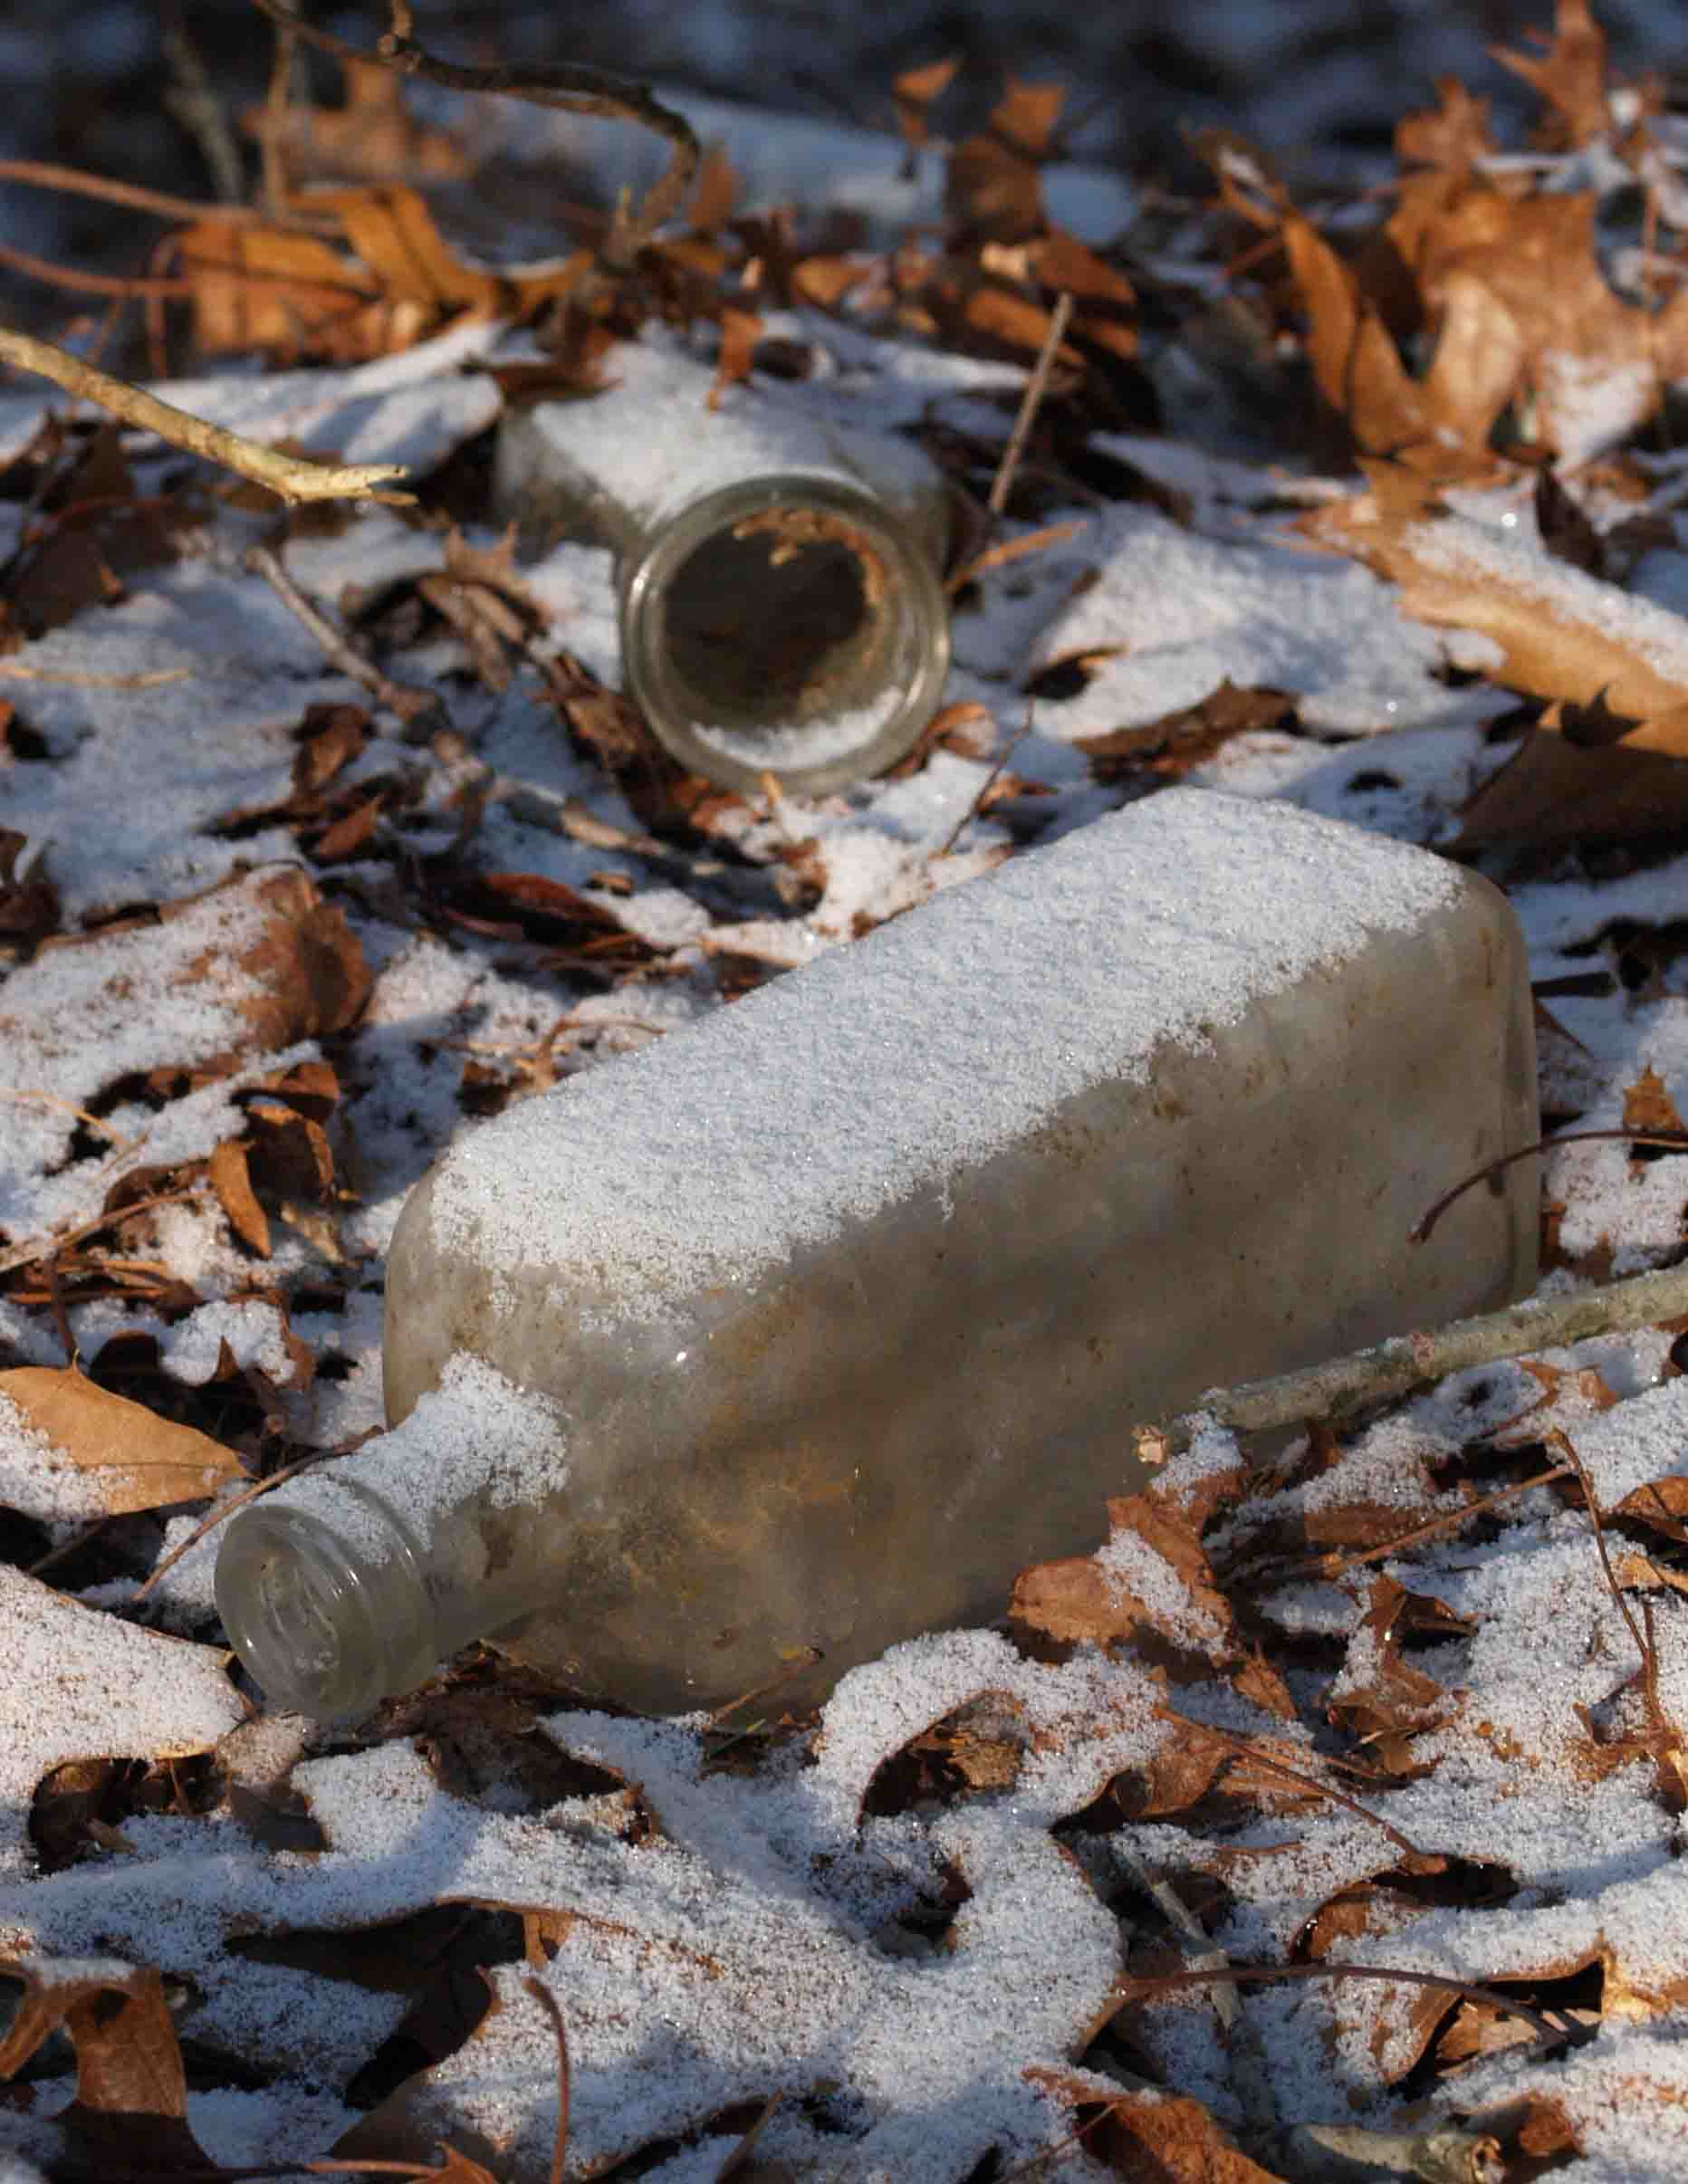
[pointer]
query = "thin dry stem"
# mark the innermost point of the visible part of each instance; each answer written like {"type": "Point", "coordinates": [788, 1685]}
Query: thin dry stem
{"type": "Point", "coordinates": [41, 175]}
{"type": "Point", "coordinates": [1667, 1737]}
{"type": "Point", "coordinates": [123, 287]}
{"type": "Point", "coordinates": [987, 784]}
{"type": "Point", "coordinates": [1202, 1975]}
{"type": "Point", "coordinates": [1244, 1750]}
{"type": "Point", "coordinates": [1344, 1385]}
{"type": "Point", "coordinates": [89, 678]}
{"type": "Point", "coordinates": [572, 86]}
{"type": "Point", "coordinates": [226, 1509]}
{"type": "Point", "coordinates": [402, 699]}
{"type": "Point", "coordinates": [1450, 1520]}
{"type": "Point", "coordinates": [1032, 401]}
{"type": "Point", "coordinates": [1672, 1141]}
{"type": "Point", "coordinates": [547, 2001]}
{"type": "Point", "coordinates": [290, 476]}
{"type": "Point", "coordinates": [26, 1254]}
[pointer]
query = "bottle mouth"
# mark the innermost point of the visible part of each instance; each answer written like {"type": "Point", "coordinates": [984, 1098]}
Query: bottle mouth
{"type": "Point", "coordinates": [786, 625]}
{"type": "Point", "coordinates": [302, 1616]}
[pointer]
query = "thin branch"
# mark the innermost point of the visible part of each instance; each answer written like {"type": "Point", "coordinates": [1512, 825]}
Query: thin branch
{"type": "Point", "coordinates": [1391, 1369]}
{"type": "Point", "coordinates": [1673, 1141]}
{"type": "Point", "coordinates": [1667, 1738]}
{"type": "Point", "coordinates": [1202, 1975]}
{"type": "Point", "coordinates": [1032, 401]}
{"type": "Point", "coordinates": [123, 286]}
{"type": "Point", "coordinates": [572, 86]}
{"type": "Point", "coordinates": [41, 175]}
{"type": "Point", "coordinates": [407, 703]}
{"type": "Point", "coordinates": [26, 1254]}
{"type": "Point", "coordinates": [542, 1994]}
{"type": "Point", "coordinates": [290, 476]}
{"type": "Point", "coordinates": [226, 1509]}
{"type": "Point", "coordinates": [1242, 1748]}
{"type": "Point", "coordinates": [987, 784]}
{"type": "Point", "coordinates": [1333, 1565]}
{"type": "Point", "coordinates": [90, 678]}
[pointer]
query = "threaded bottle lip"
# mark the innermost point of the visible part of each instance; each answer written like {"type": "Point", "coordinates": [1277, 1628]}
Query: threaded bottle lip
{"type": "Point", "coordinates": [790, 625]}
{"type": "Point", "coordinates": [324, 1626]}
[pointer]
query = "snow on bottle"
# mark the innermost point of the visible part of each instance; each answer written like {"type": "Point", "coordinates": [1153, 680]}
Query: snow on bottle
{"type": "Point", "coordinates": [808, 1327]}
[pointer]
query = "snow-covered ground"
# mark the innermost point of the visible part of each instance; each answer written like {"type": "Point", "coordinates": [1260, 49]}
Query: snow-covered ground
{"type": "Point", "coordinates": [921, 1957]}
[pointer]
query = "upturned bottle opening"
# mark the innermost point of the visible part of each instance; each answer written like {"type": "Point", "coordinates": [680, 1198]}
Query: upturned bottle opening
{"type": "Point", "coordinates": [785, 625]}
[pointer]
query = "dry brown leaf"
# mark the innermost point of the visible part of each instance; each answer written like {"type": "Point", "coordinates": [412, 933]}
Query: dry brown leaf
{"type": "Point", "coordinates": [1400, 1701]}
{"type": "Point", "coordinates": [132, 2088]}
{"type": "Point", "coordinates": [1571, 74]}
{"type": "Point", "coordinates": [740, 332]}
{"type": "Point", "coordinates": [1152, 2137]}
{"type": "Point", "coordinates": [306, 961]}
{"type": "Point", "coordinates": [289, 296]}
{"type": "Point", "coordinates": [1025, 115]}
{"type": "Point", "coordinates": [1356, 363]}
{"type": "Point", "coordinates": [715, 193]}
{"type": "Point", "coordinates": [1563, 635]}
{"type": "Point", "coordinates": [372, 136]}
{"type": "Point", "coordinates": [328, 737]}
{"type": "Point", "coordinates": [1454, 136]}
{"type": "Point", "coordinates": [135, 1459]}
{"type": "Point", "coordinates": [915, 91]}
{"type": "Point", "coordinates": [1648, 1106]}
{"type": "Point", "coordinates": [231, 1180]}
{"type": "Point", "coordinates": [1552, 791]}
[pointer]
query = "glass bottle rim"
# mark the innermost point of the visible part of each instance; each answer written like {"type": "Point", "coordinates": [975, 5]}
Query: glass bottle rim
{"type": "Point", "coordinates": [908, 600]}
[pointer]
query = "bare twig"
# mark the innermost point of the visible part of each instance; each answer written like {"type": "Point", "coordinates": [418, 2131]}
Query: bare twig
{"type": "Point", "coordinates": [987, 784]}
{"type": "Point", "coordinates": [41, 175]}
{"type": "Point", "coordinates": [1450, 1520]}
{"type": "Point", "coordinates": [196, 105]}
{"type": "Point", "coordinates": [124, 287]}
{"type": "Point", "coordinates": [1673, 1141]}
{"type": "Point", "coordinates": [226, 1509]}
{"type": "Point", "coordinates": [1391, 1369]}
{"type": "Point", "coordinates": [290, 476]}
{"type": "Point", "coordinates": [1242, 1748]}
{"type": "Point", "coordinates": [542, 1994]}
{"type": "Point", "coordinates": [26, 1254]}
{"type": "Point", "coordinates": [1032, 401]}
{"type": "Point", "coordinates": [1667, 1738]}
{"type": "Point", "coordinates": [1202, 1975]}
{"type": "Point", "coordinates": [574, 88]}
{"type": "Point", "coordinates": [87, 678]}
{"type": "Point", "coordinates": [407, 703]}
{"type": "Point", "coordinates": [50, 1100]}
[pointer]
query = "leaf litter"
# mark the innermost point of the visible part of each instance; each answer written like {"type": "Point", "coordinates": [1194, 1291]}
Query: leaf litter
{"type": "Point", "coordinates": [1366, 1700]}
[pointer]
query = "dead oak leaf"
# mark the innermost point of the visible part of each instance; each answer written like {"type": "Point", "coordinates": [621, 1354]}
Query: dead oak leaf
{"type": "Point", "coordinates": [127, 1458]}
{"type": "Point", "coordinates": [131, 2087]}
{"type": "Point", "coordinates": [1571, 76]}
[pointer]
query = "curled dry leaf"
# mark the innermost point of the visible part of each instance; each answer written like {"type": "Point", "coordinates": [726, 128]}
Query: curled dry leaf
{"type": "Point", "coordinates": [1150, 2133]}
{"type": "Point", "coordinates": [130, 1457]}
{"type": "Point", "coordinates": [132, 2088]}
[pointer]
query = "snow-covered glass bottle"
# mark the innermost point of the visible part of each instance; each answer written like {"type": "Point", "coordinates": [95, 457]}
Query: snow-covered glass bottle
{"type": "Point", "coordinates": [778, 567]}
{"type": "Point", "coordinates": [808, 1327]}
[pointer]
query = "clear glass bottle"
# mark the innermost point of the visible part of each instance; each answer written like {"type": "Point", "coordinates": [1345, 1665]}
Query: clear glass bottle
{"type": "Point", "coordinates": [808, 1327]}
{"type": "Point", "coordinates": [778, 569]}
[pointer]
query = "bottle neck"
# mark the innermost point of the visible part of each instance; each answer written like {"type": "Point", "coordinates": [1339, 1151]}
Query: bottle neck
{"type": "Point", "coordinates": [326, 1601]}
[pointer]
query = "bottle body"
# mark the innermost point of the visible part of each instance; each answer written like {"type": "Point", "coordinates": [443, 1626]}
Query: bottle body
{"type": "Point", "coordinates": [778, 571]}
{"type": "Point", "coordinates": [846, 1301]}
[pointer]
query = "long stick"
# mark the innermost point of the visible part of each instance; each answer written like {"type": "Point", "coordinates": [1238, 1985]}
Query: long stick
{"type": "Point", "coordinates": [292, 476]}
{"type": "Point", "coordinates": [1391, 1369]}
